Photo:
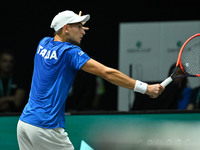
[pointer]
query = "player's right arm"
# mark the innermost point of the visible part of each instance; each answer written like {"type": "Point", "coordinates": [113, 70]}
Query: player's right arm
{"type": "Point", "coordinates": [118, 78]}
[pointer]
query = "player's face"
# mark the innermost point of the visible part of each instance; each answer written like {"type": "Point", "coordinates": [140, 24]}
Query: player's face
{"type": "Point", "coordinates": [76, 33]}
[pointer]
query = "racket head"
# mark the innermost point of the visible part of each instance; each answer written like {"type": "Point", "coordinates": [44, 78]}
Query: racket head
{"type": "Point", "coordinates": [189, 56]}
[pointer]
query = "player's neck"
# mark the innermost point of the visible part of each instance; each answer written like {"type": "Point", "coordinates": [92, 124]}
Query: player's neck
{"type": "Point", "coordinates": [60, 38]}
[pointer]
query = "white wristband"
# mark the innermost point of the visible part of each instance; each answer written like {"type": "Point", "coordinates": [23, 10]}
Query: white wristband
{"type": "Point", "coordinates": [140, 87]}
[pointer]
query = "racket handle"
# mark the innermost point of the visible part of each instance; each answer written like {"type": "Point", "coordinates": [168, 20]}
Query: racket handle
{"type": "Point", "coordinates": [166, 82]}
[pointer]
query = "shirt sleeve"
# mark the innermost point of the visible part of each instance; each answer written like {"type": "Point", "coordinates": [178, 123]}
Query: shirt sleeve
{"type": "Point", "coordinates": [79, 58]}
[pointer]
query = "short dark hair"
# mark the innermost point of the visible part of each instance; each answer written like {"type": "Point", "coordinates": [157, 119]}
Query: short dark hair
{"type": "Point", "coordinates": [59, 31]}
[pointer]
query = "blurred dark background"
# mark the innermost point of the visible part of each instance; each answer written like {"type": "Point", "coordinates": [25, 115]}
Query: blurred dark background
{"type": "Point", "coordinates": [23, 25]}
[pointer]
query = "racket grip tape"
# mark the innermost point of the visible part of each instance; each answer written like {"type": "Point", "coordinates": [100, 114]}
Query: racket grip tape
{"type": "Point", "coordinates": [166, 82]}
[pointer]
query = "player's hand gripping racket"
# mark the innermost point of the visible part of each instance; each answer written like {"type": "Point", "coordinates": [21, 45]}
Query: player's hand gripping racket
{"type": "Point", "coordinates": [188, 60]}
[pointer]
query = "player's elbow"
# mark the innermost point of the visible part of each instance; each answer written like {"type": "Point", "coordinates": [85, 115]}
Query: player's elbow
{"type": "Point", "coordinates": [107, 73]}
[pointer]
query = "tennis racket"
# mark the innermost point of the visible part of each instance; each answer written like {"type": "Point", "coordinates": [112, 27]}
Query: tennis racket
{"type": "Point", "coordinates": [188, 60]}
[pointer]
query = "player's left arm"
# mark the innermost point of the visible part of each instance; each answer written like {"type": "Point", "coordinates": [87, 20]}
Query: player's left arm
{"type": "Point", "coordinates": [118, 78]}
{"type": "Point", "coordinates": [112, 75]}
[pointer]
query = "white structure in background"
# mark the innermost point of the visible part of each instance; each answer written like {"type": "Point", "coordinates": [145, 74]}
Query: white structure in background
{"type": "Point", "coordinates": [149, 49]}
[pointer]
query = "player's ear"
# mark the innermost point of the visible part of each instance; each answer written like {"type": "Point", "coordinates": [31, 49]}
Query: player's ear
{"type": "Point", "coordinates": [66, 28]}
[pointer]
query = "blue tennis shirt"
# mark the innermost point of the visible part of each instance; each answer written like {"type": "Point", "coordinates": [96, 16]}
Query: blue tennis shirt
{"type": "Point", "coordinates": [55, 66]}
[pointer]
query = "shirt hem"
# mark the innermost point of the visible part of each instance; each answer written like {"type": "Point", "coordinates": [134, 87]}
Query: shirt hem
{"type": "Point", "coordinates": [40, 125]}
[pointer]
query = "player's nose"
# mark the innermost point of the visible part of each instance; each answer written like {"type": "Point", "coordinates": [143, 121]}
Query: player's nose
{"type": "Point", "coordinates": [83, 32]}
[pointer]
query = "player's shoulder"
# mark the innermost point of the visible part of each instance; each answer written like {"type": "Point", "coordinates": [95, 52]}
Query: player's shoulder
{"type": "Point", "coordinates": [73, 49]}
{"type": "Point", "coordinates": [46, 40]}
{"type": "Point", "coordinates": [71, 46]}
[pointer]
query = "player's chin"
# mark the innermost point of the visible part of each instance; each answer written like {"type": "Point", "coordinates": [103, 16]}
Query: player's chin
{"type": "Point", "coordinates": [75, 42]}
{"type": "Point", "coordinates": [78, 41]}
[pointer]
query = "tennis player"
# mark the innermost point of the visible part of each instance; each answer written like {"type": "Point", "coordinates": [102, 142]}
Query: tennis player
{"type": "Point", "coordinates": [42, 123]}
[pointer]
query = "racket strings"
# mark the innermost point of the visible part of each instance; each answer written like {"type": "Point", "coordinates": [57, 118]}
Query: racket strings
{"type": "Point", "coordinates": [190, 58]}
